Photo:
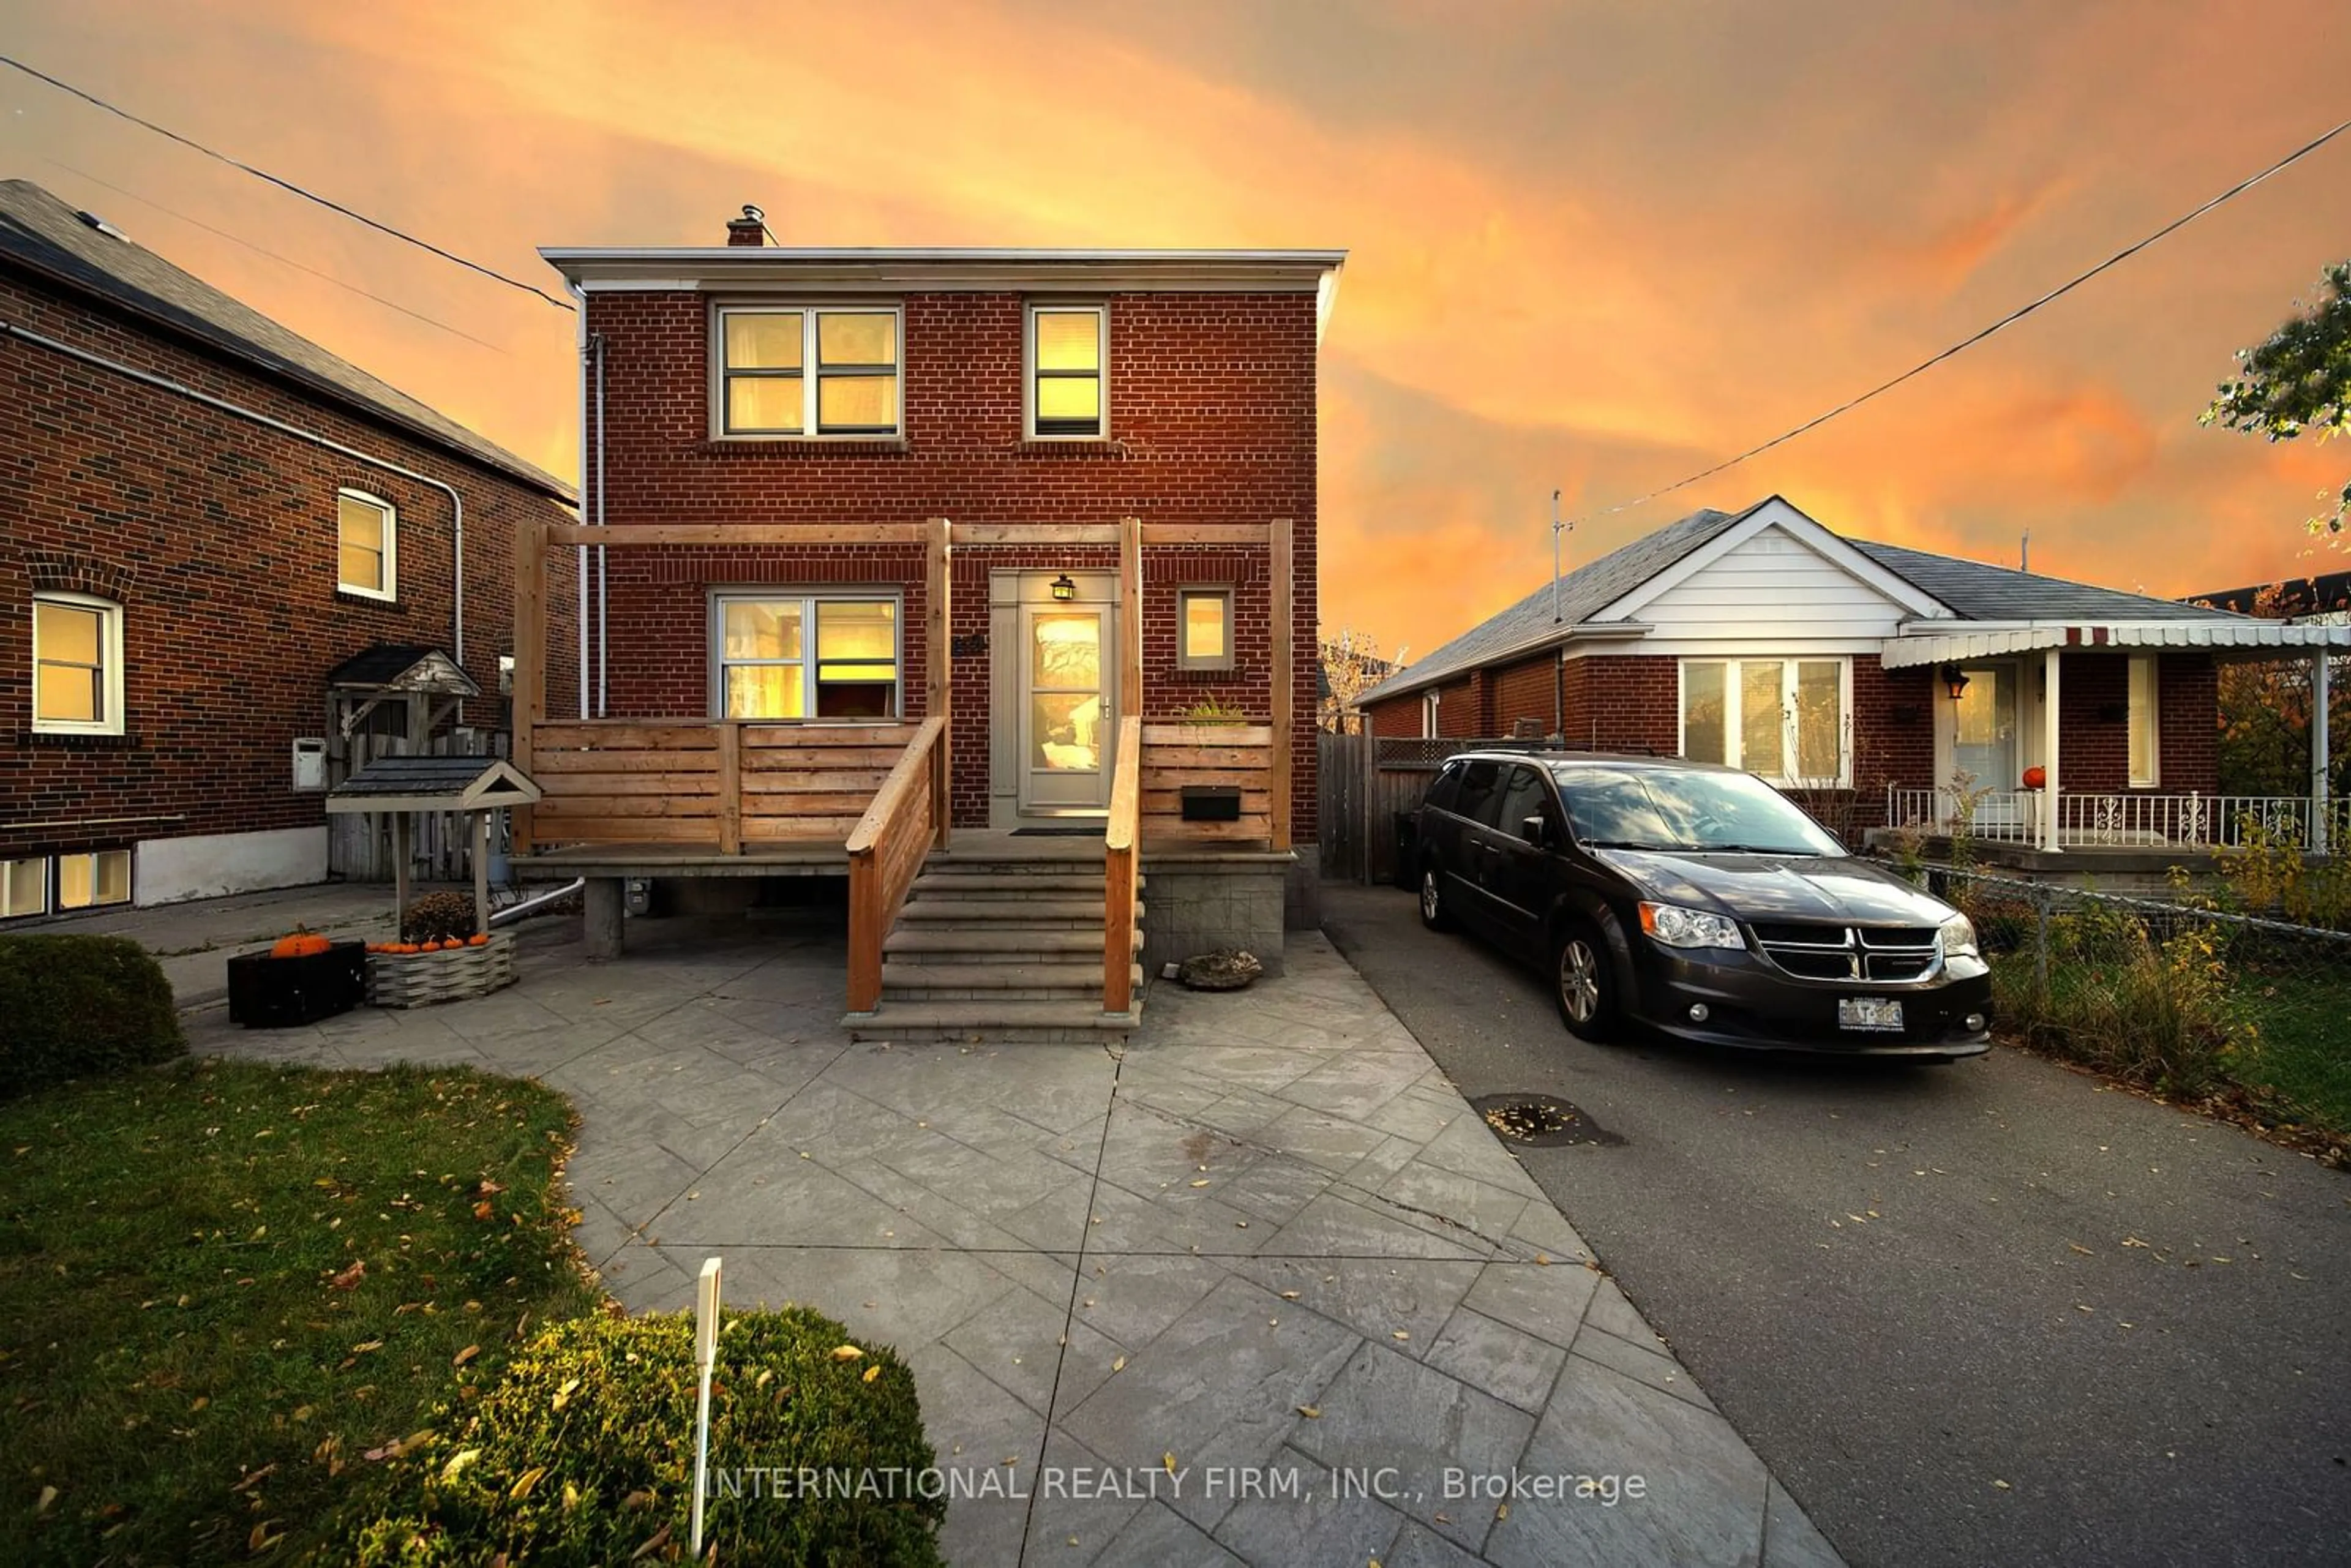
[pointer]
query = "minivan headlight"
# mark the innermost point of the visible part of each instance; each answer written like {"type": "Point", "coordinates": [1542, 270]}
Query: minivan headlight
{"type": "Point", "coordinates": [1959, 938]}
{"type": "Point", "coordinates": [1674, 926]}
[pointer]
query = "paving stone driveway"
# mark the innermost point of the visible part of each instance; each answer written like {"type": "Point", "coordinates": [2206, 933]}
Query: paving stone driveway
{"type": "Point", "coordinates": [1096, 1259]}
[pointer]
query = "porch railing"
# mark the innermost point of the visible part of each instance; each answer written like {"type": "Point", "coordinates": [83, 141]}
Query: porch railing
{"type": "Point", "coordinates": [906, 821]}
{"type": "Point", "coordinates": [2120, 819]}
{"type": "Point", "coordinates": [1118, 870]}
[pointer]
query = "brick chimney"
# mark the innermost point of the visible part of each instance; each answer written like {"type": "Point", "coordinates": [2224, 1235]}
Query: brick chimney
{"type": "Point", "coordinates": [751, 228]}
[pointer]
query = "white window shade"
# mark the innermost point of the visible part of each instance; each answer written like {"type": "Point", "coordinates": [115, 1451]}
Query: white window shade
{"type": "Point", "coordinates": [2145, 753]}
{"type": "Point", "coordinates": [1787, 720]}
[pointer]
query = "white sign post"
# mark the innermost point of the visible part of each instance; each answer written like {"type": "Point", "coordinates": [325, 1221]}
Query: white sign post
{"type": "Point", "coordinates": [705, 1357]}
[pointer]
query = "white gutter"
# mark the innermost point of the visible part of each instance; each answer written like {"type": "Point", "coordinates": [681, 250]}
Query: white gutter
{"type": "Point", "coordinates": [146, 378]}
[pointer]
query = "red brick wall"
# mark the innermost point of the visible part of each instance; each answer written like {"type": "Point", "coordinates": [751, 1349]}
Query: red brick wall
{"type": "Point", "coordinates": [218, 537]}
{"type": "Point", "coordinates": [1629, 702]}
{"type": "Point", "coordinates": [1526, 690]}
{"type": "Point", "coordinates": [2096, 749]}
{"type": "Point", "coordinates": [1212, 419]}
{"type": "Point", "coordinates": [1398, 717]}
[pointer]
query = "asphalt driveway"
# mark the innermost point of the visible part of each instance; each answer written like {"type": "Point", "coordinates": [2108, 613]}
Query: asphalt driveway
{"type": "Point", "coordinates": [1995, 1312]}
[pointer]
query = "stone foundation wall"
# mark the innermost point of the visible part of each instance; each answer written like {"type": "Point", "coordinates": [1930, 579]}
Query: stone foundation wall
{"type": "Point", "coordinates": [1195, 906]}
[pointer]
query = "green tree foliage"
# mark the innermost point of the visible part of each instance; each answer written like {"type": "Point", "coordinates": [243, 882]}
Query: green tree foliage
{"type": "Point", "coordinates": [2299, 379]}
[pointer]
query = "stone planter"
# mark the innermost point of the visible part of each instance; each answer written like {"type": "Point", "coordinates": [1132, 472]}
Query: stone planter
{"type": "Point", "coordinates": [420, 979]}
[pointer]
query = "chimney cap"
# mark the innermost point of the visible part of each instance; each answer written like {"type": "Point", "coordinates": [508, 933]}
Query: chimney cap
{"type": "Point", "coordinates": [751, 228]}
{"type": "Point", "coordinates": [753, 215]}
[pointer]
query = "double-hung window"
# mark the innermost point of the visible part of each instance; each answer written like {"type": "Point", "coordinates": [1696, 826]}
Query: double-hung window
{"type": "Point", "coordinates": [77, 664]}
{"type": "Point", "coordinates": [808, 371]}
{"type": "Point", "coordinates": [1785, 719]}
{"type": "Point", "coordinates": [793, 656]}
{"type": "Point", "coordinates": [1069, 348]}
{"type": "Point", "coordinates": [367, 546]}
{"type": "Point", "coordinates": [2146, 766]}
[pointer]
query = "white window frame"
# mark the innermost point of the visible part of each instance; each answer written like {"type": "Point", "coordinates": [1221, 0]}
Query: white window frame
{"type": "Point", "coordinates": [1028, 371]}
{"type": "Point", "coordinates": [808, 599]}
{"type": "Point", "coordinates": [2133, 717]}
{"type": "Point", "coordinates": [130, 887]}
{"type": "Point", "coordinates": [808, 371]}
{"type": "Point", "coordinates": [109, 716]}
{"type": "Point", "coordinates": [390, 592]}
{"type": "Point", "coordinates": [1188, 660]}
{"type": "Point", "coordinates": [7, 910]}
{"type": "Point", "coordinates": [1732, 716]}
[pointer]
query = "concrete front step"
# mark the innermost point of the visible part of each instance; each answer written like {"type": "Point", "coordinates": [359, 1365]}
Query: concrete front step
{"type": "Point", "coordinates": [1004, 941]}
{"type": "Point", "coordinates": [1011, 1022]}
{"type": "Point", "coordinates": [1067, 865]}
{"type": "Point", "coordinates": [1076, 913]}
{"type": "Point", "coordinates": [981, 983]}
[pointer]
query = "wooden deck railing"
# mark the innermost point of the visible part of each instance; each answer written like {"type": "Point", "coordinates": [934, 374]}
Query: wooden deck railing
{"type": "Point", "coordinates": [1118, 869]}
{"type": "Point", "coordinates": [1175, 755]}
{"type": "Point", "coordinates": [724, 784]}
{"type": "Point", "coordinates": [906, 819]}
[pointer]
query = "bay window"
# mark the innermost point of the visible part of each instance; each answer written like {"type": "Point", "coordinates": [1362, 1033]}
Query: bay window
{"type": "Point", "coordinates": [808, 371]}
{"type": "Point", "coordinates": [805, 656]}
{"type": "Point", "coordinates": [1785, 719]}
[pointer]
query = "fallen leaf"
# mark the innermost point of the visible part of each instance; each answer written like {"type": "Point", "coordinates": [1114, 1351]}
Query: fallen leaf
{"type": "Point", "coordinates": [1289, 1295]}
{"type": "Point", "coordinates": [1202, 1182]}
{"type": "Point", "coordinates": [1168, 1460]}
{"type": "Point", "coordinates": [638, 1499]}
{"type": "Point", "coordinates": [847, 1353]}
{"type": "Point", "coordinates": [1311, 1412]}
{"type": "Point", "coordinates": [465, 1355]}
{"type": "Point", "coordinates": [2004, 1486]}
{"type": "Point", "coordinates": [1119, 1366]}
{"type": "Point", "coordinates": [660, 1538]}
{"type": "Point", "coordinates": [563, 1394]}
{"type": "Point", "coordinates": [458, 1462]}
{"type": "Point", "coordinates": [2081, 1249]}
{"type": "Point", "coordinates": [524, 1482]}
{"type": "Point", "coordinates": [49, 1494]}
{"type": "Point", "coordinates": [872, 1372]}
{"type": "Point", "coordinates": [1399, 1334]}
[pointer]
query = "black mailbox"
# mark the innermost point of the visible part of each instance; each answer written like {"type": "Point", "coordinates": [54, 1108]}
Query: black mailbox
{"type": "Point", "coordinates": [1212, 802]}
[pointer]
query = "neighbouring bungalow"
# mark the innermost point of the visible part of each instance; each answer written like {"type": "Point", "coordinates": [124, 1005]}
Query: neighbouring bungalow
{"type": "Point", "coordinates": [1888, 686]}
{"type": "Point", "coordinates": [979, 576]}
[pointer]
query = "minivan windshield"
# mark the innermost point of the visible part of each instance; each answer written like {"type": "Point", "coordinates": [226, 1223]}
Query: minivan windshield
{"type": "Point", "coordinates": [1673, 809]}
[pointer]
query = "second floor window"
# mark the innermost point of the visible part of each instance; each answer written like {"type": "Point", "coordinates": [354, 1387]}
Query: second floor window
{"type": "Point", "coordinates": [830, 371]}
{"type": "Point", "coordinates": [1067, 350]}
{"type": "Point", "coordinates": [77, 665]}
{"type": "Point", "coordinates": [366, 550]}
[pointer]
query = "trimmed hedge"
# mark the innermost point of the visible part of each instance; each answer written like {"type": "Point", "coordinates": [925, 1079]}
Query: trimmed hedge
{"type": "Point", "coordinates": [583, 1453]}
{"type": "Point", "coordinates": [71, 1007]}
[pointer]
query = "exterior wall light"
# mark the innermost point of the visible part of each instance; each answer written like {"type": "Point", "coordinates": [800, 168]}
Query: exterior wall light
{"type": "Point", "coordinates": [1063, 589]}
{"type": "Point", "coordinates": [1955, 681]}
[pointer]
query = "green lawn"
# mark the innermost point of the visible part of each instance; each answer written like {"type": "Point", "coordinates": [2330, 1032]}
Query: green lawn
{"type": "Point", "coordinates": [222, 1284]}
{"type": "Point", "coordinates": [2303, 1058]}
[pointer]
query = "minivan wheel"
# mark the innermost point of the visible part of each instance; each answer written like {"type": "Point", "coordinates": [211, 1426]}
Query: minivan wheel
{"type": "Point", "coordinates": [1582, 984]}
{"type": "Point", "coordinates": [1434, 914]}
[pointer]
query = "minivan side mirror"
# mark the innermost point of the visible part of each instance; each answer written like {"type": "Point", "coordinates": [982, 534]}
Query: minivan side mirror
{"type": "Point", "coordinates": [1536, 831]}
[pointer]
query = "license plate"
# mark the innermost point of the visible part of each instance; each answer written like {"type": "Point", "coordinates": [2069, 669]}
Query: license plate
{"type": "Point", "coordinates": [1869, 1012]}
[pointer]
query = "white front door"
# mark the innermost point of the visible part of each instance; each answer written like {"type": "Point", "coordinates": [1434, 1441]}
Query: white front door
{"type": "Point", "coordinates": [1067, 691]}
{"type": "Point", "coordinates": [1985, 740]}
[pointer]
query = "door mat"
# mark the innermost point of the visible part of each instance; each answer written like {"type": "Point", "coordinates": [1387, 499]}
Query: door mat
{"type": "Point", "coordinates": [1057, 833]}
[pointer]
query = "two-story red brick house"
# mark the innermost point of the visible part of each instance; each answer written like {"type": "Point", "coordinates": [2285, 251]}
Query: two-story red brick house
{"type": "Point", "coordinates": [1029, 493]}
{"type": "Point", "coordinates": [217, 540]}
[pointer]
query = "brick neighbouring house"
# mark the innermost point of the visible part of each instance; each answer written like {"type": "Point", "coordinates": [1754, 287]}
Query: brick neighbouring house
{"type": "Point", "coordinates": [841, 494]}
{"type": "Point", "coordinates": [178, 479]}
{"type": "Point", "coordinates": [1866, 676]}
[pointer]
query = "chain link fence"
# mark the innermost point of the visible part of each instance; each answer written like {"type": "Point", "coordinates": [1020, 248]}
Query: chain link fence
{"type": "Point", "coordinates": [2178, 994]}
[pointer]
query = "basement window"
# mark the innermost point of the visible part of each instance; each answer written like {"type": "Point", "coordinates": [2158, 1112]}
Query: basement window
{"type": "Point", "coordinates": [24, 887]}
{"type": "Point", "coordinates": [808, 371]}
{"type": "Point", "coordinates": [89, 881]}
{"type": "Point", "coordinates": [825, 656]}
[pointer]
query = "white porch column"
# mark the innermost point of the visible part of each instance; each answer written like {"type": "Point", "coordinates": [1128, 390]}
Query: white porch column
{"type": "Point", "coordinates": [2320, 762]}
{"type": "Point", "coordinates": [2049, 729]}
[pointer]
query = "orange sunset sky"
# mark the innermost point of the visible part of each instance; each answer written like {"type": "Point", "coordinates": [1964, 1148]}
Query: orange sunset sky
{"type": "Point", "coordinates": [1594, 245]}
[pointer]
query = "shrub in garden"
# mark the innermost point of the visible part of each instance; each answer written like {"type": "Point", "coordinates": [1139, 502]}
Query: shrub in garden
{"type": "Point", "coordinates": [438, 917]}
{"type": "Point", "coordinates": [583, 1453]}
{"type": "Point", "coordinates": [71, 1007]}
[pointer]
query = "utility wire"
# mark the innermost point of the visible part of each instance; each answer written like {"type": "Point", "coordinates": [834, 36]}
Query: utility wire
{"type": "Point", "coordinates": [2018, 314]}
{"type": "Point", "coordinates": [288, 186]}
{"type": "Point", "coordinates": [263, 250]}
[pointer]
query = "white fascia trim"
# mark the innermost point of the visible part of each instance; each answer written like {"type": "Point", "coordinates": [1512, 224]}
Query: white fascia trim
{"type": "Point", "coordinates": [1034, 272]}
{"type": "Point", "coordinates": [1779, 513]}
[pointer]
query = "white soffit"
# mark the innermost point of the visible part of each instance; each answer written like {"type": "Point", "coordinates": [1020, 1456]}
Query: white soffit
{"type": "Point", "coordinates": [1913, 649]}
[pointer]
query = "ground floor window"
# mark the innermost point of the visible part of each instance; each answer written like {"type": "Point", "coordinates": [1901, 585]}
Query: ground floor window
{"type": "Point", "coordinates": [2145, 766]}
{"type": "Point", "coordinates": [816, 655]}
{"type": "Point", "coordinates": [24, 887]}
{"type": "Point", "coordinates": [1786, 719]}
{"type": "Point", "coordinates": [88, 881]}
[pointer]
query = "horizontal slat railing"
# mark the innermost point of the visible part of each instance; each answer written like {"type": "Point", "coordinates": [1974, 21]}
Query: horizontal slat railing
{"type": "Point", "coordinates": [1177, 755]}
{"type": "Point", "coordinates": [1118, 869]}
{"type": "Point", "coordinates": [886, 848]}
{"type": "Point", "coordinates": [2120, 819]}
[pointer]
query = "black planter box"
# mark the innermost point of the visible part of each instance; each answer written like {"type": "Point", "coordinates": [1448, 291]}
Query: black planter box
{"type": "Point", "coordinates": [1212, 802]}
{"type": "Point", "coordinates": [278, 993]}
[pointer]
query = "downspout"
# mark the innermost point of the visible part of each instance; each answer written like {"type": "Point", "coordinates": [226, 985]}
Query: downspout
{"type": "Point", "coordinates": [165, 383]}
{"type": "Point", "coordinates": [603, 688]}
{"type": "Point", "coordinates": [1558, 692]}
{"type": "Point", "coordinates": [579, 338]}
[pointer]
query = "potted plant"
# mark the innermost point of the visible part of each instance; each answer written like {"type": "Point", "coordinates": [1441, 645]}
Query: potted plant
{"type": "Point", "coordinates": [303, 978]}
{"type": "Point", "coordinates": [440, 956]}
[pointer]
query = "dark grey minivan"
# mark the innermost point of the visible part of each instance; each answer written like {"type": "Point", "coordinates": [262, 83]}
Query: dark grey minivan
{"type": "Point", "coordinates": [1696, 902]}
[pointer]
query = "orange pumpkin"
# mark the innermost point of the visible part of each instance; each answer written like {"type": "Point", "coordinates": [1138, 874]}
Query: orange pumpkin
{"type": "Point", "coordinates": [400, 947]}
{"type": "Point", "coordinates": [299, 944]}
{"type": "Point", "coordinates": [478, 939]}
{"type": "Point", "coordinates": [2034, 777]}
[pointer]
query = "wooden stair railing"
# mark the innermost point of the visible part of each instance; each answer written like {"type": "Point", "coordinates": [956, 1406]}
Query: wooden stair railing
{"type": "Point", "coordinates": [1118, 869]}
{"type": "Point", "coordinates": [905, 821]}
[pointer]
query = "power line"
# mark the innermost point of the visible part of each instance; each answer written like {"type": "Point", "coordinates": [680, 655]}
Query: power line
{"type": "Point", "coordinates": [263, 250]}
{"type": "Point", "coordinates": [288, 185]}
{"type": "Point", "coordinates": [2018, 314]}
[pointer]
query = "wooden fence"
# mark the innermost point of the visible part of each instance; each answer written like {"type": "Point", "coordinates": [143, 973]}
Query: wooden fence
{"type": "Point", "coordinates": [1367, 782]}
{"type": "Point", "coordinates": [724, 784]}
{"type": "Point", "coordinates": [1118, 870]}
{"type": "Point", "coordinates": [906, 819]}
{"type": "Point", "coordinates": [1177, 755]}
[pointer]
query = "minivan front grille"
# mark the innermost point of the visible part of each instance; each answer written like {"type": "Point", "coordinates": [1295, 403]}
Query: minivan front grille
{"type": "Point", "coordinates": [1881, 953]}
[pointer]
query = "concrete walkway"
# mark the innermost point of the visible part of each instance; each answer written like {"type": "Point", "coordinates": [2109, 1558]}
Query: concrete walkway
{"type": "Point", "coordinates": [1247, 1291]}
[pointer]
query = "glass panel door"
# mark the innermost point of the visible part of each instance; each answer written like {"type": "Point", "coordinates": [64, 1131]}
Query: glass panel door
{"type": "Point", "coordinates": [1984, 738]}
{"type": "Point", "coordinates": [1065, 708]}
